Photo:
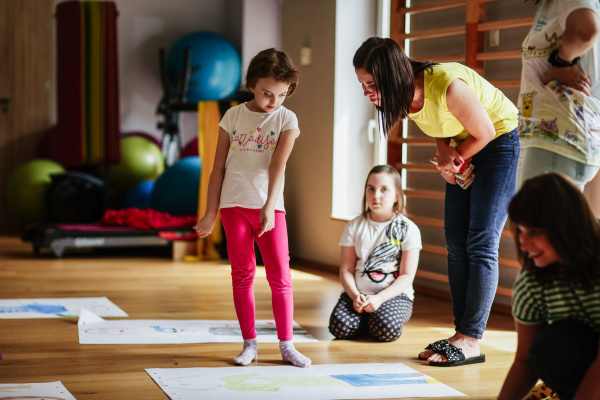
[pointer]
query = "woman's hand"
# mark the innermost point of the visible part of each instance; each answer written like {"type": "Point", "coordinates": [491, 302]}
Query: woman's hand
{"type": "Point", "coordinates": [267, 220]}
{"type": "Point", "coordinates": [571, 77]}
{"type": "Point", "coordinates": [205, 226]}
{"type": "Point", "coordinates": [446, 156]}
{"type": "Point", "coordinates": [448, 175]}
{"type": "Point", "coordinates": [449, 159]}
{"type": "Point", "coordinates": [580, 34]}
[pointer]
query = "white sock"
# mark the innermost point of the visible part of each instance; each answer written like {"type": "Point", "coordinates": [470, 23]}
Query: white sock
{"type": "Point", "coordinates": [291, 355]}
{"type": "Point", "coordinates": [249, 354]}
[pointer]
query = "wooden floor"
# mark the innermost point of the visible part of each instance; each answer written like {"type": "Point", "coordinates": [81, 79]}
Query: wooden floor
{"type": "Point", "coordinates": [154, 287]}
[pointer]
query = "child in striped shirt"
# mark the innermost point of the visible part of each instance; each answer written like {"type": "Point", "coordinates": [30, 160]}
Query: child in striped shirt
{"type": "Point", "coordinates": [556, 298]}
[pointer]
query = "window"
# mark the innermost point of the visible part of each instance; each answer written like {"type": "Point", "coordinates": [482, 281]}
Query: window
{"type": "Point", "coordinates": [357, 140]}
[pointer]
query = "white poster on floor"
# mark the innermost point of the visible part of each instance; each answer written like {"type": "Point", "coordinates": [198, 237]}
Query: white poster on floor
{"type": "Point", "coordinates": [334, 381]}
{"type": "Point", "coordinates": [35, 391]}
{"type": "Point", "coordinates": [58, 308]}
{"type": "Point", "coordinates": [96, 330]}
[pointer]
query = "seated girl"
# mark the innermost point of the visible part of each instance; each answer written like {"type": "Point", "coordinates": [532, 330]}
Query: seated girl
{"type": "Point", "coordinates": [380, 253]}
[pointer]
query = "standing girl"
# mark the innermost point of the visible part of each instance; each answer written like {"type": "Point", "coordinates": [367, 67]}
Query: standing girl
{"type": "Point", "coordinates": [246, 184]}
{"type": "Point", "coordinates": [556, 298]}
{"type": "Point", "coordinates": [451, 101]}
{"type": "Point", "coordinates": [380, 253]}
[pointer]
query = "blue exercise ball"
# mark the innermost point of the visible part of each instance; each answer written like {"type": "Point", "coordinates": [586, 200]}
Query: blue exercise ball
{"type": "Point", "coordinates": [217, 62]}
{"type": "Point", "coordinates": [176, 190]}
{"type": "Point", "coordinates": [139, 196]}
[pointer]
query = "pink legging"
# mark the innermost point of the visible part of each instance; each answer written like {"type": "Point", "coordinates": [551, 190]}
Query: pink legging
{"type": "Point", "coordinates": [242, 226]}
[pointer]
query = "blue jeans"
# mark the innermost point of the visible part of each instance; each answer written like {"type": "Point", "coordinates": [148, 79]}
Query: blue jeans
{"type": "Point", "coordinates": [561, 355]}
{"type": "Point", "coordinates": [473, 223]}
{"type": "Point", "coordinates": [535, 161]}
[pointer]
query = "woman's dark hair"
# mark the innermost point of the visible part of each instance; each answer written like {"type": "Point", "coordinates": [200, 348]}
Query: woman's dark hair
{"type": "Point", "coordinates": [395, 175]}
{"type": "Point", "coordinates": [551, 202]}
{"type": "Point", "coordinates": [394, 75]}
{"type": "Point", "coordinates": [272, 63]}
{"type": "Point", "coordinates": [535, 2]}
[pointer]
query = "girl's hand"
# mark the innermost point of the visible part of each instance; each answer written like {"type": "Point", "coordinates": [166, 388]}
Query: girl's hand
{"type": "Point", "coordinates": [373, 303]}
{"type": "Point", "coordinates": [571, 77]}
{"type": "Point", "coordinates": [359, 302]}
{"type": "Point", "coordinates": [205, 226]}
{"type": "Point", "coordinates": [267, 220]}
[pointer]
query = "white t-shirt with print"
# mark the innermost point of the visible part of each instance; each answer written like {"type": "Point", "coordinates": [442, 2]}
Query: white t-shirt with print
{"type": "Point", "coordinates": [379, 247]}
{"type": "Point", "coordinates": [553, 116]}
{"type": "Point", "coordinates": [253, 138]}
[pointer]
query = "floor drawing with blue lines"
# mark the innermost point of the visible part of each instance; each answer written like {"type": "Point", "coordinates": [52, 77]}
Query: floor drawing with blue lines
{"type": "Point", "coordinates": [319, 382]}
{"type": "Point", "coordinates": [58, 308]}
{"type": "Point", "coordinates": [95, 330]}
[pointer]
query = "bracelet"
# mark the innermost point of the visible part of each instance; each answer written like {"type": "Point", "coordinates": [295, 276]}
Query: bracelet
{"type": "Point", "coordinates": [558, 62]}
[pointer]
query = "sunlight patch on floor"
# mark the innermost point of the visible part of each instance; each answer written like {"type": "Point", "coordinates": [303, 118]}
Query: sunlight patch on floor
{"type": "Point", "coordinates": [306, 276]}
{"type": "Point", "coordinates": [296, 275]}
{"type": "Point", "coordinates": [500, 340]}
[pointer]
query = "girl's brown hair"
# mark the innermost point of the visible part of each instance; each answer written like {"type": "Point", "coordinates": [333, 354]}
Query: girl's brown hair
{"type": "Point", "coordinates": [395, 175]}
{"type": "Point", "coordinates": [551, 202]}
{"type": "Point", "coordinates": [394, 75]}
{"type": "Point", "coordinates": [272, 63]}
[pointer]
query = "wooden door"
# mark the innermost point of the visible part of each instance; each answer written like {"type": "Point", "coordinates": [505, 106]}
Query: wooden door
{"type": "Point", "coordinates": [26, 80]}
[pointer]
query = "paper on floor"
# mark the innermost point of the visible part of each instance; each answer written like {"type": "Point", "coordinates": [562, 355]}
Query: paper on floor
{"type": "Point", "coordinates": [95, 330]}
{"type": "Point", "coordinates": [58, 308]}
{"type": "Point", "coordinates": [318, 382]}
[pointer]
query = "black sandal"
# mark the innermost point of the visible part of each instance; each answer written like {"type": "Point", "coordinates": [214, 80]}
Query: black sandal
{"type": "Point", "coordinates": [453, 354]}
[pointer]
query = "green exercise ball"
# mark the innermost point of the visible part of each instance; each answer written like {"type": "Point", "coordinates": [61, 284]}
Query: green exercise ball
{"type": "Point", "coordinates": [141, 159]}
{"type": "Point", "coordinates": [26, 189]}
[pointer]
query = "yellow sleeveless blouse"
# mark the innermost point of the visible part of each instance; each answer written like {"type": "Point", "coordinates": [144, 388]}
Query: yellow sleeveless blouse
{"type": "Point", "coordinates": [437, 121]}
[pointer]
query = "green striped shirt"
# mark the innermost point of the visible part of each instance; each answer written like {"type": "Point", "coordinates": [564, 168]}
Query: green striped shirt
{"type": "Point", "coordinates": [534, 302]}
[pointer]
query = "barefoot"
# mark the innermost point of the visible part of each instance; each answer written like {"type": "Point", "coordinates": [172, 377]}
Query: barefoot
{"type": "Point", "coordinates": [424, 355]}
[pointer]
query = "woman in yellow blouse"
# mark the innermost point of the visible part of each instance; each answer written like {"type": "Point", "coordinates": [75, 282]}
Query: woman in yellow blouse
{"type": "Point", "coordinates": [452, 102]}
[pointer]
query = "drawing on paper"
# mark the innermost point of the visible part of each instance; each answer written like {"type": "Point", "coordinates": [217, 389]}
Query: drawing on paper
{"type": "Point", "coordinates": [236, 331]}
{"type": "Point", "coordinates": [57, 308]}
{"type": "Point", "coordinates": [343, 381]}
{"type": "Point", "coordinates": [33, 308]}
{"type": "Point", "coordinates": [96, 330]}
{"type": "Point", "coordinates": [31, 398]}
{"type": "Point", "coordinates": [35, 391]}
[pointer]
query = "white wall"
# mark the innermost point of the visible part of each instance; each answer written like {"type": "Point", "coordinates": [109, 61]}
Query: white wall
{"type": "Point", "coordinates": [143, 27]}
{"type": "Point", "coordinates": [353, 155]}
{"type": "Point", "coordinates": [313, 234]}
{"type": "Point", "coordinates": [261, 28]}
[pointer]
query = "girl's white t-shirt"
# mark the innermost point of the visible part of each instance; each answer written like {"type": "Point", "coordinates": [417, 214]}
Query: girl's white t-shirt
{"type": "Point", "coordinates": [253, 138]}
{"type": "Point", "coordinates": [379, 247]}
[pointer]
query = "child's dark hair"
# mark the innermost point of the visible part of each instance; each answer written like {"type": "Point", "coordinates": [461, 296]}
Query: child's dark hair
{"type": "Point", "coordinates": [395, 175]}
{"type": "Point", "coordinates": [551, 202]}
{"type": "Point", "coordinates": [275, 64]}
{"type": "Point", "coordinates": [394, 75]}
